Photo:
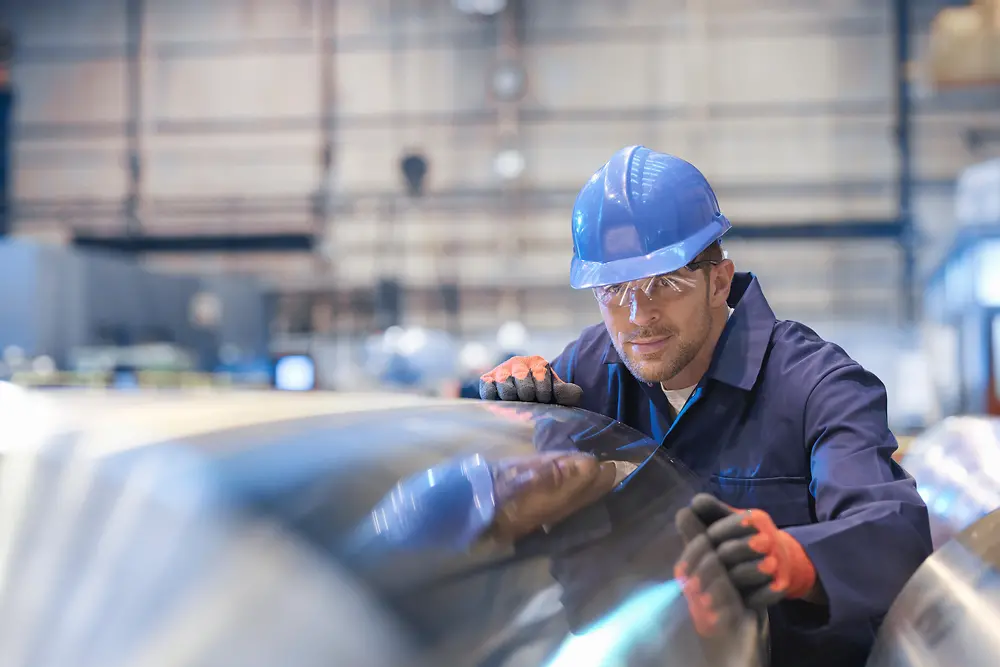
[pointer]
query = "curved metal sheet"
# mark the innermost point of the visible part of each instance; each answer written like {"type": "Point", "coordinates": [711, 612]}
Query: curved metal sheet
{"type": "Point", "coordinates": [949, 612]}
{"type": "Point", "coordinates": [594, 587]}
{"type": "Point", "coordinates": [109, 422]}
{"type": "Point", "coordinates": [115, 570]}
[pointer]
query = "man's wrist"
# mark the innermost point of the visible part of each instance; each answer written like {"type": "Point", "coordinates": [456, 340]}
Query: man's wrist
{"type": "Point", "coordinates": [816, 595]}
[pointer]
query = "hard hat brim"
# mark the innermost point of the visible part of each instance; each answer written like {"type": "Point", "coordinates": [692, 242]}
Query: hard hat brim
{"type": "Point", "coordinates": [585, 274]}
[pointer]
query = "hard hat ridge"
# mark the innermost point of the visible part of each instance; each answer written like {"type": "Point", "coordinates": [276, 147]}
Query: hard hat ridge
{"type": "Point", "coordinates": [643, 213]}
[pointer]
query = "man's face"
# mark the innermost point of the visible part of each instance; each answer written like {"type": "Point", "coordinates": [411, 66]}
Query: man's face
{"type": "Point", "coordinates": [659, 325]}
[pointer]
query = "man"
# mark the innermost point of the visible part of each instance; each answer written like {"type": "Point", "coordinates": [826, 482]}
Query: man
{"type": "Point", "coordinates": [776, 420]}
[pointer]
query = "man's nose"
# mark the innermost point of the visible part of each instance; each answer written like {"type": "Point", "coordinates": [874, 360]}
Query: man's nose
{"type": "Point", "coordinates": [642, 309]}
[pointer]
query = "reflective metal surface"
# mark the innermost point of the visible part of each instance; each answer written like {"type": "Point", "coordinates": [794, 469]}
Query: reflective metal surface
{"type": "Point", "coordinates": [565, 559]}
{"type": "Point", "coordinates": [957, 468]}
{"type": "Point", "coordinates": [949, 612]}
{"type": "Point", "coordinates": [119, 566]}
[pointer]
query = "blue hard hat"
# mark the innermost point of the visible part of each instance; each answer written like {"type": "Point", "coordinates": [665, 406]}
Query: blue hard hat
{"type": "Point", "coordinates": [642, 214]}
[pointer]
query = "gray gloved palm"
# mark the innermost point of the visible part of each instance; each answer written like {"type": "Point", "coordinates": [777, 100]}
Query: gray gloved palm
{"type": "Point", "coordinates": [714, 600]}
{"type": "Point", "coordinates": [528, 379]}
{"type": "Point", "coordinates": [764, 564]}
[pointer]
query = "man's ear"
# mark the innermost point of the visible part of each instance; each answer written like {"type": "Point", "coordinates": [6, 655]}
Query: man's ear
{"type": "Point", "coordinates": [722, 281]}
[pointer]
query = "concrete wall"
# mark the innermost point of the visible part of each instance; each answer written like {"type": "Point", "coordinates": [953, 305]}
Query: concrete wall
{"type": "Point", "coordinates": [787, 107]}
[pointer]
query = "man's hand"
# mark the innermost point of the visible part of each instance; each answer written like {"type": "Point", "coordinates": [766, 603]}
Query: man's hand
{"type": "Point", "coordinates": [763, 564]}
{"type": "Point", "coordinates": [715, 605]}
{"type": "Point", "coordinates": [528, 379]}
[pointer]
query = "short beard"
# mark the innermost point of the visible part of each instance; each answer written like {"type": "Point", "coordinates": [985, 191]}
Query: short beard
{"type": "Point", "coordinates": [685, 354]}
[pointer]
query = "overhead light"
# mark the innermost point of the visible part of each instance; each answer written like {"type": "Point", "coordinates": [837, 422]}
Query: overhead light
{"type": "Point", "coordinates": [483, 7]}
{"type": "Point", "coordinates": [512, 336]}
{"type": "Point", "coordinates": [475, 357]}
{"type": "Point", "coordinates": [295, 372]}
{"type": "Point", "coordinates": [391, 338]}
{"type": "Point", "coordinates": [13, 355]}
{"type": "Point", "coordinates": [508, 80]}
{"type": "Point", "coordinates": [412, 341]}
{"type": "Point", "coordinates": [43, 365]}
{"type": "Point", "coordinates": [205, 310]}
{"type": "Point", "coordinates": [509, 164]}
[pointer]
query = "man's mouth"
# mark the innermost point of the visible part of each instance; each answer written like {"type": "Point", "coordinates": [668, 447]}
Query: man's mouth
{"type": "Point", "coordinates": [649, 345]}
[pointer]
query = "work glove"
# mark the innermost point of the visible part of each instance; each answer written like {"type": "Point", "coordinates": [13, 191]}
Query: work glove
{"type": "Point", "coordinates": [528, 379]}
{"type": "Point", "coordinates": [736, 560]}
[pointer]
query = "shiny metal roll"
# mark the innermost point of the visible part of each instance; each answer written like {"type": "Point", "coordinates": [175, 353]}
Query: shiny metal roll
{"type": "Point", "coordinates": [261, 530]}
{"type": "Point", "coordinates": [948, 614]}
{"type": "Point", "coordinates": [112, 564]}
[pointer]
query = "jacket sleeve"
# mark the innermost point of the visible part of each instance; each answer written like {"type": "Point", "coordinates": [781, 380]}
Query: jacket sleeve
{"type": "Point", "coordinates": [582, 361]}
{"type": "Point", "coordinates": [872, 531]}
{"type": "Point", "coordinates": [578, 364]}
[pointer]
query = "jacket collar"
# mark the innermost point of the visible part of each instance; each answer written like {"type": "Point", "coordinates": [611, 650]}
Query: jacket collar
{"type": "Point", "coordinates": [739, 354]}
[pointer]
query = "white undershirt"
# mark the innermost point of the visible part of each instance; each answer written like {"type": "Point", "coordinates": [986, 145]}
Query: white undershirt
{"type": "Point", "coordinates": [678, 397]}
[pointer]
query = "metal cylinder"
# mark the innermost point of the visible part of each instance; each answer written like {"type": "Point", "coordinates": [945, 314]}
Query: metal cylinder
{"type": "Point", "coordinates": [948, 613]}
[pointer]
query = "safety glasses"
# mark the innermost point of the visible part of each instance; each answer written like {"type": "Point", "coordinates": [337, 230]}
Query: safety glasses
{"type": "Point", "coordinates": [656, 288]}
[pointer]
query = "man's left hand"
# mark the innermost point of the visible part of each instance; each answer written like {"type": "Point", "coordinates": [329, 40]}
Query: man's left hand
{"type": "Point", "coordinates": [763, 564]}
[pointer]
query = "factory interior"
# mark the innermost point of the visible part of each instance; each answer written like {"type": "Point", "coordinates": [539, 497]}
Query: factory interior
{"type": "Point", "coordinates": [286, 239]}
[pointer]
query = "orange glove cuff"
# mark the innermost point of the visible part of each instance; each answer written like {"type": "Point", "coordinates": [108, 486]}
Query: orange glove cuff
{"type": "Point", "coordinates": [785, 560]}
{"type": "Point", "coordinates": [801, 571]}
{"type": "Point", "coordinates": [519, 368]}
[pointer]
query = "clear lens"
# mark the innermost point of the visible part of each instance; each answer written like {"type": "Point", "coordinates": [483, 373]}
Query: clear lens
{"type": "Point", "coordinates": [657, 288]}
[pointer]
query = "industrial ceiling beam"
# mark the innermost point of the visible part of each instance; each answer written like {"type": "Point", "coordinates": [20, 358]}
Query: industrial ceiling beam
{"type": "Point", "coordinates": [864, 113]}
{"type": "Point", "coordinates": [862, 109]}
{"type": "Point", "coordinates": [858, 25]}
{"type": "Point", "coordinates": [206, 243]}
{"type": "Point", "coordinates": [247, 243]}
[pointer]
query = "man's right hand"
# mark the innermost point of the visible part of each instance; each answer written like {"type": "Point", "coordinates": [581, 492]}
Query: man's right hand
{"type": "Point", "coordinates": [528, 379]}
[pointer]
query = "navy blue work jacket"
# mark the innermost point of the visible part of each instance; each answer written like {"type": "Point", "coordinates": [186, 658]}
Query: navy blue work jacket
{"type": "Point", "coordinates": [788, 423]}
